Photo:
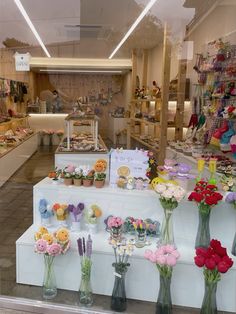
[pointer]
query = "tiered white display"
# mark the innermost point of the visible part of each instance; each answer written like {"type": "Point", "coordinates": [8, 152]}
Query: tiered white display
{"type": "Point", "coordinates": [142, 277]}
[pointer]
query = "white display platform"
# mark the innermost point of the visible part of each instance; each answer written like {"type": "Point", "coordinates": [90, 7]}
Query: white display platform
{"type": "Point", "coordinates": [116, 125]}
{"type": "Point", "coordinates": [142, 279]}
{"type": "Point", "coordinates": [11, 161]}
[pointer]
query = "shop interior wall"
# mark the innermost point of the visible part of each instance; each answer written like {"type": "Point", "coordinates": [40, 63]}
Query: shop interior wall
{"type": "Point", "coordinates": [220, 23]}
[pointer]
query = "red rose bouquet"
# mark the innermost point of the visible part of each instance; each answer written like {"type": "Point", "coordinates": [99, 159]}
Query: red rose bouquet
{"type": "Point", "coordinates": [215, 261]}
{"type": "Point", "coordinates": [206, 196]}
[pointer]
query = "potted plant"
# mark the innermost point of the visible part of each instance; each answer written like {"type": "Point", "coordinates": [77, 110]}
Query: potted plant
{"type": "Point", "coordinates": [55, 175]}
{"type": "Point", "coordinates": [88, 177]}
{"type": "Point", "coordinates": [78, 175]}
{"type": "Point", "coordinates": [99, 179]}
{"type": "Point", "coordinates": [68, 174]}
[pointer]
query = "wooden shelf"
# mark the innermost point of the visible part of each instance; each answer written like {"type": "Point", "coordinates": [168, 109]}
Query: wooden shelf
{"type": "Point", "coordinates": [144, 143]}
{"type": "Point", "coordinates": [144, 99]}
{"type": "Point", "coordinates": [145, 121]}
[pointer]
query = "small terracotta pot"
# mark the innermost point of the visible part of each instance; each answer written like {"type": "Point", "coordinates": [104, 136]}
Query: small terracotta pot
{"type": "Point", "coordinates": [68, 181]}
{"type": "Point", "coordinates": [87, 182]}
{"type": "Point", "coordinates": [77, 182]}
{"type": "Point", "coordinates": [99, 184]}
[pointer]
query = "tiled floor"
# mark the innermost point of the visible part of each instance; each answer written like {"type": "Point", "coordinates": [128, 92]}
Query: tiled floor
{"type": "Point", "coordinates": [16, 217]}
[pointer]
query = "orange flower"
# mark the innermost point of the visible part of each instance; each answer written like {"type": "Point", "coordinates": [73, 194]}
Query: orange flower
{"type": "Point", "coordinates": [56, 206]}
{"type": "Point", "coordinates": [96, 210]}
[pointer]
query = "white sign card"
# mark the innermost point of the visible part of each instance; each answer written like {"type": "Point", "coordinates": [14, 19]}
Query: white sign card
{"type": "Point", "coordinates": [128, 163]}
{"type": "Point", "coordinates": [22, 61]}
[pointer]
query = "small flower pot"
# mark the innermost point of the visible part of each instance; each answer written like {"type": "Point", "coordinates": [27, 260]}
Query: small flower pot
{"type": "Point", "coordinates": [77, 182]}
{"type": "Point", "coordinates": [68, 181]}
{"type": "Point", "coordinates": [99, 184]}
{"type": "Point", "coordinates": [87, 182]}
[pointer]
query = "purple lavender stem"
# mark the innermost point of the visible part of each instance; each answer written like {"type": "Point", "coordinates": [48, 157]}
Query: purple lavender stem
{"type": "Point", "coordinates": [84, 245]}
{"type": "Point", "coordinates": [89, 247]}
{"type": "Point", "coordinates": [80, 248]}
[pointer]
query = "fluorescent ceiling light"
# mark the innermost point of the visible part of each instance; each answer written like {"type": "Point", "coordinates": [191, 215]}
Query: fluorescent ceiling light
{"type": "Point", "coordinates": [133, 26]}
{"type": "Point", "coordinates": [79, 71]}
{"type": "Point", "coordinates": [31, 26]}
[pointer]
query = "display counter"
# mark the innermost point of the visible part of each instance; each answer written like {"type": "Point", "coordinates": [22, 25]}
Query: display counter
{"type": "Point", "coordinates": [142, 274]}
{"type": "Point", "coordinates": [52, 121]}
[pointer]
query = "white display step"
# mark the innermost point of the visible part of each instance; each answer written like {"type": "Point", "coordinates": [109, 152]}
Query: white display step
{"type": "Point", "coordinates": [142, 280]}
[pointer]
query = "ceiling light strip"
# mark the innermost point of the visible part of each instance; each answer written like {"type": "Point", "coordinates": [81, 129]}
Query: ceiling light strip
{"type": "Point", "coordinates": [133, 26]}
{"type": "Point", "coordinates": [79, 71]}
{"type": "Point", "coordinates": [31, 26]}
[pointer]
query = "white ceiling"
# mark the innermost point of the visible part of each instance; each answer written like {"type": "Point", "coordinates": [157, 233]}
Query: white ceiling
{"type": "Point", "coordinates": [113, 16]}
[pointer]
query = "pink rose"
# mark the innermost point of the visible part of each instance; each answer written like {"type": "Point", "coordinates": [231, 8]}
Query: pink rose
{"type": "Point", "coordinates": [161, 259]}
{"type": "Point", "coordinates": [169, 248]}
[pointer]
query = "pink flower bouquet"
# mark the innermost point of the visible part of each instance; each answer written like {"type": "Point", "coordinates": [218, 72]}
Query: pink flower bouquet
{"type": "Point", "coordinates": [115, 225]}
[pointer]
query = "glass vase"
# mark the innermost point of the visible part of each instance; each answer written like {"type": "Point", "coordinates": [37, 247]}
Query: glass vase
{"type": "Point", "coordinates": [167, 234]}
{"type": "Point", "coordinates": [209, 301]}
{"type": "Point", "coordinates": [85, 290]}
{"type": "Point", "coordinates": [203, 231]}
{"type": "Point", "coordinates": [233, 251]}
{"type": "Point", "coordinates": [140, 238]}
{"type": "Point", "coordinates": [118, 298]}
{"type": "Point", "coordinates": [49, 281]}
{"type": "Point", "coordinates": [116, 234]}
{"type": "Point", "coordinates": [164, 303]}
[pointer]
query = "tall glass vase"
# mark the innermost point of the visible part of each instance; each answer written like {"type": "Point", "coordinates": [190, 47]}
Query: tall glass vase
{"type": "Point", "coordinates": [203, 233]}
{"type": "Point", "coordinates": [233, 251]}
{"type": "Point", "coordinates": [167, 234]}
{"type": "Point", "coordinates": [164, 303]}
{"type": "Point", "coordinates": [209, 301]}
{"type": "Point", "coordinates": [85, 290]}
{"type": "Point", "coordinates": [49, 281]}
{"type": "Point", "coordinates": [118, 298]}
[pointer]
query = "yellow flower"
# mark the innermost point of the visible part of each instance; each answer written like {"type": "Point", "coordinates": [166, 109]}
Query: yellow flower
{"type": "Point", "coordinates": [60, 211]}
{"type": "Point", "coordinates": [62, 235]}
{"type": "Point", "coordinates": [48, 237]}
{"type": "Point", "coordinates": [37, 236]}
{"type": "Point", "coordinates": [151, 161]}
{"type": "Point", "coordinates": [64, 206]}
{"type": "Point", "coordinates": [43, 230]}
{"type": "Point", "coordinates": [96, 210]}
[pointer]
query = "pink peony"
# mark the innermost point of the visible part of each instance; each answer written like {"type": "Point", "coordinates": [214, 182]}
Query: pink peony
{"type": "Point", "coordinates": [161, 259]}
{"type": "Point", "coordinates": [153, 258]}
{"type": "Point", "coordinates": [54, 249]}
{"type": "Point", "coordinates": [171, 260]}
{"type": "Point", "coordinates": [41, 246]}
{"type": "Point", "coordinates": [147, 254]}
{"type": "Point", "coordinates": [168, 248]}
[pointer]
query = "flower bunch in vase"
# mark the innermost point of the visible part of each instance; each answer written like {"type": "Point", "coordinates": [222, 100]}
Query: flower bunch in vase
{"type": "Point", "coordinates": [78, 176]}
{"type": "Point", "coordinates": [115, 226]}
{"type": "Point", "coordinates": [141, 231]}
{"type": "Point", "coordinates": [206, 196]}
{"type": "Point", "coordinates": [45, 212]}
{"type": "Point", "coordinates": [85, 252]}
{"type": "Point", "coordinates": [51, 245]}
{"type": "Point", "coordinates": [231, 198]}
{"type": "Point", "coordinates": [91, 217]}
{"type": "Point", "coordinates": [68, 173]}
{"type": "Point", "coordinates": [60, 134]}
{"type": "Point", "coordinates": [100, 175]}
{"type": "Point", "coordinates": [165, 257]}
{"type": "Point", "coordinates": [76, 213]}
{"type": "Point", "coordinates": [170, 196]}
{"type": "Point", "coordinates": [122, 253]}
{"type": "Point", "coordinates": [61, 211]}
{"type": "Point", "coordinates": [215, 261]}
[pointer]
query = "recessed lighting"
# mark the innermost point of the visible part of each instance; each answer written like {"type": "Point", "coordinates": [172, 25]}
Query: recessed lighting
{"type": "Point", "coordinates": [133, 26]}
{"type": "Point", "coordinates": [79, 71]}
{"type": "Point", "coordinates": [31, 26]}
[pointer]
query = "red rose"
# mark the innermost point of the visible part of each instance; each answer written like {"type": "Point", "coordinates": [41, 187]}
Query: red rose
{"type": "Point", "coordinates": [216, 258]}
{"type": "Point", "coordinates": [196, 197]}
{"type": "Point", "coordinates": [199, 260]}
{"type": "Point", "coordinates": [201, 251]}
{"type": "Point", "coordinates": [210, 200]}
{"type": "Point", "coordinates": [215, 243]}
{"type": "Point", "coordinates": [218, 196]}
{"type": "Point", "coordinates": [201, 183]}
{"type": "Point", "coordinates": [210, 263]}
{"type": "Point", "coordinates": [209, 252]}
{"type": "Point", "coordinates": [228, 260]}
{"type": "Point", "coordinates": [211, 187]}
{"type": "Point", "coordinates": [198, 188]}
{"type": "Point", "coordinates": [222, 267]}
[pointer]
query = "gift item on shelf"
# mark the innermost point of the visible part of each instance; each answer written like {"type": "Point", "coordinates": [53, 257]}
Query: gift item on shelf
{"type": "Point", "coordinates": [115, 226]}
{"type": "Point", "coordinates": [215, 261]}
{"type": "Point", "coordinates": [140, 228]}
{"type": "Point", "coordinates": [76, 213]}
{"type": "Point", "coordinates": [165, 257]}
{"type": "Point", "coordinates": [91, 217]}
{"type": "Point", "coordinates": [61, 212]}
{"type": "Point", "coordinates": [85, 253]}
{"type": "Point", "coordinates": [100, 175]}
{"type": "Point", "coordinates": [51, 245]}
{"type": "Point", "coordinates": [45, 212]}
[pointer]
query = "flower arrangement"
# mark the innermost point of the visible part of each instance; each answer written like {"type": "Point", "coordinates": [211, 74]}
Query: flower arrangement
{"type": "Point", "coordinates": [205, 196]}
{"type": "Point", "coordinates": [165, 257]}
{"type": "Point", "coordinates": [122, 253]}
{"type": "Point", "coordinates": [76, 212]}
{"type": "Point", "coordinates": [140, 225]}
{"type": "Point", "coordinates": [78, 173]}
{"type": "Point", "coordinates": [61, 211]}
{"type": "Point", "coordinates": [85, 253]}
{"type": "Point", "coordinates": [115, 222]}
{"type": "Point", "coordinates": [68, 172]}
{"type": "Point", "coordinates": [52, 243]}
{"type": "Point", "coordinates": [91, 217]}
{"type": "Point", "coordinates": [100, 175]}
{"type": "Point", "coordinates": [215, 261]}
{"type": "Point", "coordinates": [88, 175]}
{"type": "Point", "coordinates": [60, 133]}
{"type": "Point", "coordinates": [55, 174]}
{"type": "Point", "coordinates": [45, 210]}
{"type": "Point", "coordinates": [170, 196]}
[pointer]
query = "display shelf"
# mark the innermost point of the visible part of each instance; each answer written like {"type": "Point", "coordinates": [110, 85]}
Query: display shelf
{"type": "Point", "coordinates": [145, 121]}
{"type": "Point", "coordinates": [14, 123]}
{"type": "Point", "coordinates": [15, 157]}
{"type": "Point", "coordinates": [141, 274]}
{"type": "Point", "coordinates": [151, 147]}
{"type": "Point", "coordinates": [117, 125]}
